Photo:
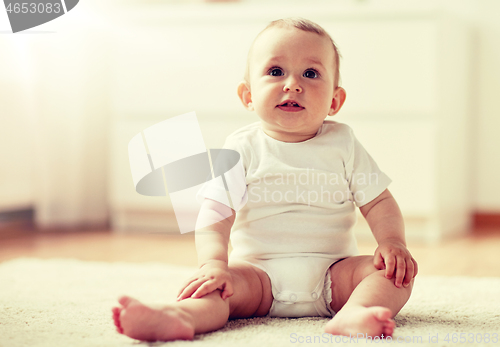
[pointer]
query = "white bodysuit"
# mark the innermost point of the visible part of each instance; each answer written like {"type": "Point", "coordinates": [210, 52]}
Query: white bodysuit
{"type": "Point", "coordinates": [295, 206]}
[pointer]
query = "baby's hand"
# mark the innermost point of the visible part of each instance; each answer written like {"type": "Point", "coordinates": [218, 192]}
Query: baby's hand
{"type": "Point", "coordinates": [394, 257]}
{"type": "Point", "coordinates": [210, 277]}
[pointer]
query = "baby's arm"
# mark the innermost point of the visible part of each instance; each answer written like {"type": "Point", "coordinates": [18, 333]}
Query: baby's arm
{"type": "Point", "coordinates": [212, 246]}
{"type": "Point", "coordinates": [386, 222]}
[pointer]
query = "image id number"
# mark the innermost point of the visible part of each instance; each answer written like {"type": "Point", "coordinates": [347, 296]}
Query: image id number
{"type": "Point", "coordinates": [26, 7]}
{"type": "Point", "coordinates": [471, 338]}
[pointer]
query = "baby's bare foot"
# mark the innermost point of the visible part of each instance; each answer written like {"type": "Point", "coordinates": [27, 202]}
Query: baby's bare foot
{"type": "Point", "coordinates": [369, 321]}
{"type": "Point", "coordinates": [145, 323]}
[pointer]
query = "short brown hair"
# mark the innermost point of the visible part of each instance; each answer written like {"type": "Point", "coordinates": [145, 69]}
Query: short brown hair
{"type": "Point", "coordinates": [304, 25]}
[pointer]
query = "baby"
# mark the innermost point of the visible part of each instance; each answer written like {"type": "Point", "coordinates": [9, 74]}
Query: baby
{"type": "Point", "coordinates": [294, 252]}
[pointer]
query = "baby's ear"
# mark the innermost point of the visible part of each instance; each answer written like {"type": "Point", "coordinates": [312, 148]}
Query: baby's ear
{"type": "Point", "coordinates": [245, 95]}
{"type": "Point", "coordinates": [338, 99]}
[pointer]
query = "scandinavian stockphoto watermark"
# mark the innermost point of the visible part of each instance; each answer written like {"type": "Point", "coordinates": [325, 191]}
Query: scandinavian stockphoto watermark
{"type": "Point", "coordinates": [170, 158]}
{"type": "Point", "coordinates": [26, 14]}
{"type": "Point", "coordinates": [308, 187]}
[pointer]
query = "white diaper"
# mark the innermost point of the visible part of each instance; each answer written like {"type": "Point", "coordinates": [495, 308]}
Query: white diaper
{"type": "Point", "coordinates": [301, 286]}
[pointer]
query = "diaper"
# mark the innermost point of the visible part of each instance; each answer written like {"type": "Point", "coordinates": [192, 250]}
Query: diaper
{"type": "Point", "coordinates": [301, 285]}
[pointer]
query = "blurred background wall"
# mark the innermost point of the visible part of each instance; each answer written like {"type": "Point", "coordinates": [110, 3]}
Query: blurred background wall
{"type": "Point", "coordinates": [423, 74]}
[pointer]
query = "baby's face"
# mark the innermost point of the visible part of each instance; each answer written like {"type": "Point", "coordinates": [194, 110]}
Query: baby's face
{"type": "Point", "coordinates": [291, 83]}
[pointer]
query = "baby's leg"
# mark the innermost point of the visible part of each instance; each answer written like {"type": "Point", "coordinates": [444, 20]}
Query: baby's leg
{"type": "Point", "coordinates": [365, 301]}
{"type": "Point", "coordinates": [181, 320]}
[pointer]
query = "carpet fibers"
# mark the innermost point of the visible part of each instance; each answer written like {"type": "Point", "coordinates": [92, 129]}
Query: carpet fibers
{"type": "Point", "coordinates": [67, 302]}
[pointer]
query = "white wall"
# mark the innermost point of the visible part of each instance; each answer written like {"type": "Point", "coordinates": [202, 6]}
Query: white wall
{"type": "Point", "coordinates": [486, 186]}
{"type": "Point", "coordinates": [482, 16]}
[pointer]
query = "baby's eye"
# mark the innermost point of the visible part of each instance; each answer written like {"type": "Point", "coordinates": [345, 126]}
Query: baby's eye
{"type": "Point", "coordinates": [310, 74]}
{"type": "Point", "coordinates": [275, 71]}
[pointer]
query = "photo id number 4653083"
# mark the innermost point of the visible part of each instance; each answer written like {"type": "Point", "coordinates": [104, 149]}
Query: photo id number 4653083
{"type": "Point", "coordinates": [471, 338]}
{"type": "Point", "coordinates": [41, 7]}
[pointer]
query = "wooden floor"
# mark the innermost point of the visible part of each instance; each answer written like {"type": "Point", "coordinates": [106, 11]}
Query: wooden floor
{"type": "Point", "coordinates": [475, 255]}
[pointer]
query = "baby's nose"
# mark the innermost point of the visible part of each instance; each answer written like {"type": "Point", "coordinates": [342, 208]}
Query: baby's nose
{"type": "Point", "coordinates": [297, 88]}
{"type": "Point", "coordinates": [292, 85]}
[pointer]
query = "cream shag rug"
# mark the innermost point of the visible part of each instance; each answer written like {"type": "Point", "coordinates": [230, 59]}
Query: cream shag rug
{"type": "Point", "coordinates": [67, 302]}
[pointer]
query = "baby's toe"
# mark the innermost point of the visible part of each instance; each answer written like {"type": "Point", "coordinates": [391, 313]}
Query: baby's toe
{"type": "Point", "coordinates": [383, 314]}
{"type": "Point", "coordinates": [119, 330]}
{"type": "Point", "coordinates": [125, 300]}
{"type": "Point", "coordinates": [389, 327]}
{"type": "Point", "coordinates": [116, 319]}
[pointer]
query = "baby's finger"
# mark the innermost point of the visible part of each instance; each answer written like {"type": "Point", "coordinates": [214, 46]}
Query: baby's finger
{"type": "Point", "coordinates": [186, 293]}
{"type": "Point", "coordinates": [187, 283]}
{"type": "Point", "coordinates": [190, 289]}
{"type": "Point", "coordinates": [400, 271]}
{"type": "Point", "coordinates": [228, 291]}
{"type": "Point", "coordinates": [415, 266]}
{"type": "Point", "coordinates": [390, 263]}
{"type": "Point", "coordinates": [204, 289]}
{"type": "Point", "coordinates": [409, 273]}
{"type": "Point", "coordinates": [378, 261]}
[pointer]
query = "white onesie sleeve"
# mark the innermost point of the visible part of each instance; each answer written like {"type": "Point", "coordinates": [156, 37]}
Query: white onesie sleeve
{"type": "Point", "coordinates": [232, 182]}
{"type": "Point", "coordinates": [366, 180]}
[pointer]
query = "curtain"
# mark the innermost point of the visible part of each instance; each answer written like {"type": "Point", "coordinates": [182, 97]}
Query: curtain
{"type": "Point", "coordinates": [65, 110]}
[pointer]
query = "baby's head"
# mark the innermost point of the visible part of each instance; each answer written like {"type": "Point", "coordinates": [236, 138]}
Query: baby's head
{"type": "Point", "coordinates": [292, 79]}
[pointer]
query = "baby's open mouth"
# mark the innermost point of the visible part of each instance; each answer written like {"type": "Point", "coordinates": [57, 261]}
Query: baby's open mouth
{"type": "Point", "coordinates": [294, 104]}
{"type": "Point", "coordinates": [290, 105]}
